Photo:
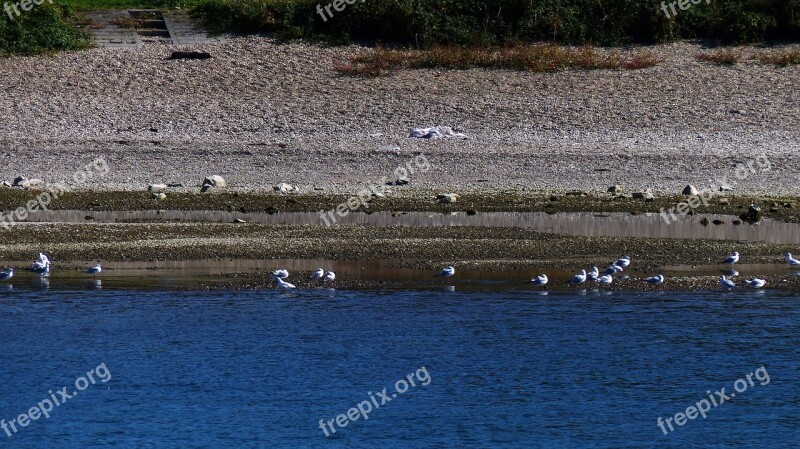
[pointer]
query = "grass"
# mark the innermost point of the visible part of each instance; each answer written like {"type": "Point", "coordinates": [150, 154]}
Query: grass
{"type": "Point", "coordinates": [782, 58]}
{"type": "Point", "coordinates": [531, 58]}
{"type": "Point", "coordinates": [722, 56]}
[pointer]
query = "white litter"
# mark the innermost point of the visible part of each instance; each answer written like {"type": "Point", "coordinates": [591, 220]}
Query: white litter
{"type": "Point", "coordinates": [437, 132]}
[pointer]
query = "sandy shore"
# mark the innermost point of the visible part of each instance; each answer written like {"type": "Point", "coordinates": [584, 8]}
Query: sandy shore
{"type": "Point", "coordinates": [259, 113]}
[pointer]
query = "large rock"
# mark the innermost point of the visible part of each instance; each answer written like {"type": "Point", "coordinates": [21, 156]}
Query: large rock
{"type": "Point", "coordinates": [156, 188]}
{"type": "Point", "coordinates": [286, 188]}
{"type": "Point", "coordinates": [446, 198]}
{"type": "Point", "coordinates": [753, 214]}
{"type": "Point", "coordinates": [215, 181]}
{"type": "Point", "coordinates": [690, 190]}
{"type": "Point", "coordinates": [615, 189]}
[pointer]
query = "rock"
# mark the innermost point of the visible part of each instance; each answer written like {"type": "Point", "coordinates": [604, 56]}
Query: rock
{"type": "Point", "coordinates": [88, 217]}
{"type": "Point", "coordinates": [553, 198]}
{"type": "Point", "coordinates": [286, 188]}
{"type": "Point", "coordinates": [215, 181]}
{"type": "Point", "coordinates": [788, 205]}
{"type": "Point", "coordinates": [773, 209]}
{"type": "Point", "coordinates": [159, 196]}
{"type": "Point", "coordinates": [402, 180]}
{"type": "Point", "coordinates": [21, 181]}
{"type": "Point", "coordinates": [156, 188]}
{"type": "Point", "coordinates": [649, 198]}
{"type": "Point", "coordinates": [577, 193]}
{"type": "Point", "coordinates": [272, 210]}
{"type": "Point", "coordinates": [239, 220]}
{"type": "Point", "coordinates": [690, 190]}
{"type": "Point", "coordinates": [724, 202]}
{"type": "Point", "coordinates": [35, 183]}
{"type": "Point", "coordinates": [472, 212]}
{"type": "Point", "coordinates": [205, 188]}
{"type": "Point", "coordinates": [175, 184]}
{"type": "Point", "coordinates": [705, 221]}
{"type": "Point", "coordinates": [615, 189]}
{"type": "Point", "coordinates": [718, 222]}
{"type": "Point", "coordinates": [643, 195]}
{"type": "Point", "coordinates": [753, 214]}
{"type": "Point", "coordinates": [5, 184]}
{"type": "Point", "coordinates": [737, 222]}
{"type": "Point", "coordinates": [189, 55]}
{"type": "Point", "coordinates": [445, 198]}
{"type": "Point", "coordinates": [725, 188]}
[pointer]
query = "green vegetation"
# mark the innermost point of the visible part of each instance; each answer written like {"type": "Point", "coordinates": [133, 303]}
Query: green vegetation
{"type": "Point", "coordinates": [43, 29]}
{"type": "Point", "coordinates": [91, 5]}
{"type": "Point", "coordinates": [533, 58]}
{"type": "Point", "coordinates": [426, 23]}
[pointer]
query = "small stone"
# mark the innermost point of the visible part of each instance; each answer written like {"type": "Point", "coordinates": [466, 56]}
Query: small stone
{"type": "Point", "coordinates": [705, 221]}
{"type": "Point", "coordinates": [553, 198]}
{"type": "Point", "coordinates": [175, 184]}
{"type": "Point", "coordinates": [402, 180]}
{"type": "Point", "coordinates": [159, 196]}
{"type": "Point", "coordinates": [215, 181]}
{"type": "Point", "coordinates": [5, 184]}
{"type": "Point", "coordinates": [737, 222]}
{"type": "Point", "coordinates": [718, 222]}
{"type": "Point", "coordinates": [615, 189]}
{"type": "Point", "coordinates": [156, 188]}
{"type": "Point", "coordinates": [788, 205]}
{"type": "Point", "coordinates": [88, 217]}
{"type": "Point", "coordinates": [286, 188]}
{"type": "Point", "coordinates": [643, 195]}
{"type": "Point", "coordinates": [21, 181]}
{"type": "Point", "coordinates": [445, 198]}
{"type": "Point", "coordinates": [773, 209]}
{"type": "Point", "coordinates": [35, 183]}
{"type": "Point", "coordinates": [206, 188]}
{"type": "Point", "coordinates": [753, 214]}
{"type": "Point", "coordinates": [271, 210]}
{"type": "Point", "coordinates": [472, 212]}
{"type": "Point", "coordinates": [725, 188]}
{"type": "Point", "coordinates": [689, 190]}
{"type": "Point", "coordinates": [723, 202]}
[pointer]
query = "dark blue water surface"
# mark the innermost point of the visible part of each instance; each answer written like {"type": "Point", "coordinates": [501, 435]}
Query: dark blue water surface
{"type": "Point", "coordinates": [260, 369]}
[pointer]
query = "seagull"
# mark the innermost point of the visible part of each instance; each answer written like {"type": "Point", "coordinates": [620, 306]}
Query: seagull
{"type": "Point", "coordinates": [613, 269]}
{"type": "Point", "coordinates": [281, 283]}
{"type": "Point", "coordinates": [593, 274]}
{"type": "Point", "coordinates": [756, 283]}
{"type": "Point", "coordinates": [330, 276]}
{"type": "Point", "coordinates": [732, 259]}
{"type": "Point", "coordinates": [540, 280]}
{"type": "Point", "coordinates": [623, 262]}
{"type": "Point", "coordinates": [95, 270]}
{"type": "Point", "coordinates": [446, 272]}
{"type": "Point", "coordinates": [605, 280]}
{"type": "Point", "coordinates": [317, 275]}
{"type": "Point", "coordinates": [283, 274]}
{"type": "Point", "coordinates": [656, 280]}
{"type": "Point", "coordinates": [726, 283]}
{"type": "Point", "coordinates": [41, 265]}
{"type": "Point", "coordinates": [791, 260]}
{"type": "Point", "coordinates": [8, 274]}
{"type": "Point", "coordinates": [579, 278]}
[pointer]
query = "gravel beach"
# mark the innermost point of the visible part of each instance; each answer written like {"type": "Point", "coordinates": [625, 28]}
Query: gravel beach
{"type": "Point", "coordinates": [260, 112]}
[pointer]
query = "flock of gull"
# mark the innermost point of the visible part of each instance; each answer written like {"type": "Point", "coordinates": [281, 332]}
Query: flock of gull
{"type": "Point", "coordinates": [605, 278]}
{"type": "Point", "coordinates": [42, 266]}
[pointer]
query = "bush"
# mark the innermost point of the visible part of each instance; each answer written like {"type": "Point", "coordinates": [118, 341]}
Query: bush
{"type": "Point", "coordinates": [45, 28]}
{"type": "Point", "coordinates": [425, 23]}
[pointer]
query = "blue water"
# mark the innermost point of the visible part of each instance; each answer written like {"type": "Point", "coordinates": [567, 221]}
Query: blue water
{"type": "Point", "coordinates": [260, 369]}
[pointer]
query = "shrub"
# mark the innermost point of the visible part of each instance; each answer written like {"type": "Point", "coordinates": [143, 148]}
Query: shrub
{"type": "Point", "coordinates": [45, 28]}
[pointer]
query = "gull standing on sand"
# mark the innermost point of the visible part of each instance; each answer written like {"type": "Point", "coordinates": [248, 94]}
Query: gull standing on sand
{"type": "Point", "coordinates": [655, 280]}
{"type": "Point", "coordinates": [791, 260]}
{"type": "Point", "coordinates": [726, 283]}
{"type": "Point", "coordinates": [756, 283]}
{"type": "Point", "coordinates": [605, 279]}
{"type": "Point", "coordinates": [732, 259]}
{"type": "Point", "coordinates": [41, 265]}
{"type": "Point", "coordinates": [540, 280]}
{"type": "Point", "coordinates": [8, 274]}
{"type": "Point", "coordinates": [579, 278]}
{"type": "Point", "coordinates": [95, 270]}
{"type": "Point", "coordinates": [594, 274]}
{"type": "Point", "coordinates": [446, 272]}
{"type": "Point", "coordinates": [613, 269]}
{"type": "Point", "coordinates": [623, 262]}
{"type": "Point", "coordinates": [317, 275]}
{"type": "Point", "coordinates": [330, 276]}
{"type": "Point", "coordinates": [283, 274]}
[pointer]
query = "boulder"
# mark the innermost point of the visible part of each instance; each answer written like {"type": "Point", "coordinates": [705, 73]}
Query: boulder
{"type": "Point", "coordinates": [446, 198]}
{"type": "Point", "coordinates": [215, 181]}
{"type": "Point", "coordinates": [690, 190]}
{"type": "Point", "coordinates": [615, 189]}
{"type": "Point", "coordinates": [156, 188]}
